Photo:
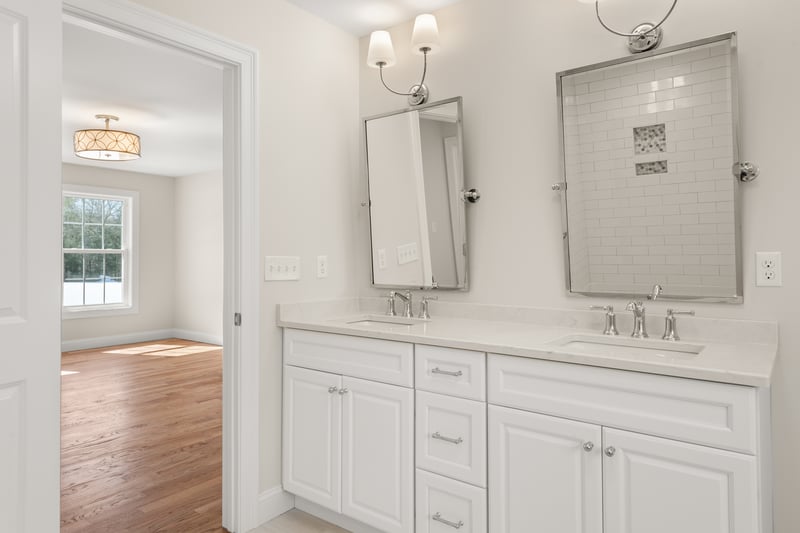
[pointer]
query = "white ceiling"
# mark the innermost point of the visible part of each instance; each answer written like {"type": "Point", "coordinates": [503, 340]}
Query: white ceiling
{"type": "Point", "coordinates": [361, 17]}
{"type": "Point", "coordinates": [171, 100]}
{"type": "Point", "coordinates": [174, 101]}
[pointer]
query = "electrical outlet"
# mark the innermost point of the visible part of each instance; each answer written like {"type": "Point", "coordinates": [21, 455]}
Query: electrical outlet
{"type": "Point", "coordinates": [768, 269]}
{"type": "Point", "coordinates": [322, 266]}
{"type": "Point", "coordinates": [382, 258]}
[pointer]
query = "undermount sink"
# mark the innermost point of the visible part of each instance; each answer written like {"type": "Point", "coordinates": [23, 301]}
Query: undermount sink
{"type": "Point", "coordinates": [381, 321]}
{"type": "Point", "coordinates": [597, 345]}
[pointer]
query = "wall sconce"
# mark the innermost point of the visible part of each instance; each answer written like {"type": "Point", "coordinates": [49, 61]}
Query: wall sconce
{"type": "Point", "coordinates": [646, 36]}
{"type": "Point", "coordinates": [424, 41]}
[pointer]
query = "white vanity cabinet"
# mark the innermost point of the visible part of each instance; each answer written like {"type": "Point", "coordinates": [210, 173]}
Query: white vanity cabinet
{"type": "Point", "coordinates": [405, 437]}
{"type": "Point", "coordinates": [348, 442]}
{"type": "Point", "coordinates": [580, 460]}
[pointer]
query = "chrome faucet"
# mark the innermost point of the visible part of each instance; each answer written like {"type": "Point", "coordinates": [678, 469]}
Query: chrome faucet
{"type": "Point", "coordinates": [639, 329]}
{"type": "Point", "coordinates": [406, 297]}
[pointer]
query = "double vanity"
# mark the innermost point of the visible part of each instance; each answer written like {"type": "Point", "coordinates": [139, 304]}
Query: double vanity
{"type": "Point", "coordinates": [521, 420]}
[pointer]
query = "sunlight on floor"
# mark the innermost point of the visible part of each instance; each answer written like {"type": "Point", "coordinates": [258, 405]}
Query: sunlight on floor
{"type": "Point", "coordinates": [138, 350]}
{"type": "Point", "coordinates": [163, 350]}
{"type": "Point", "coordinates": [69, 372]}
{"type": "Point", "coordinates": [184, 350]}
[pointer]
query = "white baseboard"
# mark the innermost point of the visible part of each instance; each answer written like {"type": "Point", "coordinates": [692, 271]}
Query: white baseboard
{"type": "Point", "coordinates": [197, 336]}
{"type": "Point", "coordinates": [333, 517]}
{"type": "Point", "coordinates": [113, 340]}
{"type": "Point", "coordinates": [273, 503]}
{"type": "Point", "coordinates": [141, 336]}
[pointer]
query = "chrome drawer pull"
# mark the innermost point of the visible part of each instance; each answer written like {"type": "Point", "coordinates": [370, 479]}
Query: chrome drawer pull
{"type": "Point", "coordinates": [456, 525]}
{"type": "Point", "coordinates": [439, 436]}
{"type": "Point", "coordinates": [437, 370]}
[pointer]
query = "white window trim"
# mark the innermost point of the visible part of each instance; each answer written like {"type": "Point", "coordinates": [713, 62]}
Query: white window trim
{"type": "Point", "coordinates": [132, 233]}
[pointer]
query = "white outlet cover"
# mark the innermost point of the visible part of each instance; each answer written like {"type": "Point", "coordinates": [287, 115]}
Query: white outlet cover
{"type": "Point", "coordinates": [768, 269]}
{"type": "Point", "coordinates": [322, 266]}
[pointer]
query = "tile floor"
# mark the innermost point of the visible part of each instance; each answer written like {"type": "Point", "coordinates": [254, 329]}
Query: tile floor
{"type": "Point", "coordinates": [298, 522]}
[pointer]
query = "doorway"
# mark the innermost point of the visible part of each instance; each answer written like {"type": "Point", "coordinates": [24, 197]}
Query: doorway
{"type": "Point", "coordinates": [241, 243]}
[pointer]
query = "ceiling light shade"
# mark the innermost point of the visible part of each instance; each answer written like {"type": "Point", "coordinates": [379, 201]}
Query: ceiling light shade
{"type": "Point", "coordinates": [425, 36]}
{"type": "Point", "coordinates": [106, 144]}
{"type": "Point", "coordinates": [381, 51]}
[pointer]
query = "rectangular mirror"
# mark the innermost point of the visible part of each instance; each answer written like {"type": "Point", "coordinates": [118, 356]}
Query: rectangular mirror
{"type": "Point", "coordinates": [416, 212]}
{"type": "Point", "coordinates": [648, 193]}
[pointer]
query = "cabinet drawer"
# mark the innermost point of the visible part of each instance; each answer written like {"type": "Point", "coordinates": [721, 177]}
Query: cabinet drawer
{"type": "Point", "coordinates": [451, 371]}
{"type": "Point", "coordinates": [445, 505]}
{"type": "Point", "coordinates": [451, 437]}
{"type": "Point", "coordinates": [702, 412]}
{"type": "Point", "coordinates": [374, 359]}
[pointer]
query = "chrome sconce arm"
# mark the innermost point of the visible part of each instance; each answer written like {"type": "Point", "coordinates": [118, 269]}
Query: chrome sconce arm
{"type": "Point", "coordinates": [646, 36]}
{"type": "Point", "coordinates": [418, 93]}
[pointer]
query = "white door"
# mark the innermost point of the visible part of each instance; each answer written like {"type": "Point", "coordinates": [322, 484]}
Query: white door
{"type": "Point", "coordinates": [377, 454]}
{"type": "Point", "coordinates": [30, 231]}
{"type": "Point", "coordinates": [655, 485]}
{"type": "Point", "coordinates": [312, 413]}
{"type": "Point", "coordinates": [545, 474]}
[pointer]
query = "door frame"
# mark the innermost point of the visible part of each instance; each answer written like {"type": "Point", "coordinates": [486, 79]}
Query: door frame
{"type": "Point", "coordinates": [240, 382]}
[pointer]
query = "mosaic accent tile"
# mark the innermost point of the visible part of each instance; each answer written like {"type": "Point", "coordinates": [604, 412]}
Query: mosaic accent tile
{"type": "Point", "coordinates": [650, 139]}
{"type": "Point", "coordinates": [653, 167]}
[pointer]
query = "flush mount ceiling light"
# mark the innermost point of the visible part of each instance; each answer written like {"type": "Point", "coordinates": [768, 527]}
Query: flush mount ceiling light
{"type": "Point", "coordinates": [646, 36]}
{"type": "Point", "coordinates": [424, 41]}
{"type": "Point", "coordinates": [106, 144]}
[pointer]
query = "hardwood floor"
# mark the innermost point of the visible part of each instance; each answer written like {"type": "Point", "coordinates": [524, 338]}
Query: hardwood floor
{"type": "Point", "coordinates": [141, 441]}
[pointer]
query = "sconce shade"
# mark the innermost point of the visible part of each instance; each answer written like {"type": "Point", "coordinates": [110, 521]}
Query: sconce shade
{"type": "Point", "coordinates": [106, 144]}
{"type": "Point", "coordinates": [380, 50]}
{"type": "Point", "coordinates": [425, 35]}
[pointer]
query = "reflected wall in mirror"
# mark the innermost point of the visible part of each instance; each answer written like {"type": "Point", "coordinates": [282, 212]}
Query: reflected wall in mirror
{"type": "Point", "coordinates": [415, 176]}
{"type": "Point", "coordinates": [649, 196]}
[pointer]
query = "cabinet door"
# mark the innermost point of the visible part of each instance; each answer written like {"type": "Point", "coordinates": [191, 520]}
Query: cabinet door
{"type": "Point", "coordinates": [545, 474]}
{"type": "Point", "coordinates": [377, 454]}
{"type": "Point", "coordinates": [312, 414]}
{"type": "Point", "coordinates": [655, 485]}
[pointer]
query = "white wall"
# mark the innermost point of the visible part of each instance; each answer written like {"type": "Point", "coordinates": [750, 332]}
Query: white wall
{"type": "Point", "coordinates": [156, 257]}
{"type": "Point", "coordinates": [502, 56]}
{"type": "Point", "coordinates": [198, 257]}
{"type": "Point", "coordinates": [308, 131]}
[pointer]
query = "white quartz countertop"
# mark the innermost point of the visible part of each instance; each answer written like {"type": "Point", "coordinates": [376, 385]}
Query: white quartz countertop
{"type": "Point", "coordinates": [736, 361]}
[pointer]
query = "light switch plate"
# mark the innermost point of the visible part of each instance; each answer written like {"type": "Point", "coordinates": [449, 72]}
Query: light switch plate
{"type": "Point", "coordinates": [281, 268]}
{"type": "Point", "coordinates": [407, 253]}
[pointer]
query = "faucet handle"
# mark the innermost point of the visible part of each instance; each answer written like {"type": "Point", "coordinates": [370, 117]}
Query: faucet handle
{"type": "Point", "coordinates": [670, 324]}
{"type": "Point", "coordinates": [423, 307]}
{"type": "Point", "coordinates": [610, 327]}
{"type": "Point", "coordinates": [390, 301]}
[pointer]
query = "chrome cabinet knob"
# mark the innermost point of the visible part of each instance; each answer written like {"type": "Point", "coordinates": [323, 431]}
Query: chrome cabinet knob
{"type": "Point", "coordinates": [332, 389]}
{"type": "Point", "coordinates": [610, 451]}
{"type": "Point", "coordinates": [588, 446]}
{"type": "Point", "coordinates": [344, 391]}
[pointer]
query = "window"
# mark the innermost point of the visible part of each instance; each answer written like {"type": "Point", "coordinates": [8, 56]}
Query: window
{"type": "Point", "coordinates": [97, 250]}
